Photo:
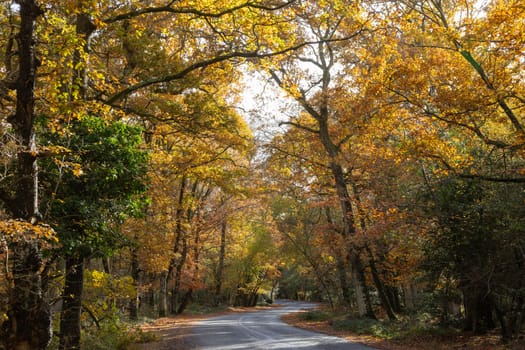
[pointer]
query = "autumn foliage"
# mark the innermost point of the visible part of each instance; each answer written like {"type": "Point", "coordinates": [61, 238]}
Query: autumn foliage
{"type": "Point", "coordinates": [385, 175]}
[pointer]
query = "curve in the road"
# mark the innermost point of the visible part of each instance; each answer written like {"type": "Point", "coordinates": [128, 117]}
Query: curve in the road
{"type": "Point", "coordinates": [263, 330]}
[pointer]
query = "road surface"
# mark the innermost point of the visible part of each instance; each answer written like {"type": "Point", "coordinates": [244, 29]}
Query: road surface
{"type": "Point", "coordinates": [263, 330]}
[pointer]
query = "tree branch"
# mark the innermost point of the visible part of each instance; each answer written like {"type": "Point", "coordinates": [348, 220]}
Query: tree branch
{"type": "Point", "coordinates": [193, 11]}
{"type": "Point", "coordinates": [198, 65]}
{"type": "Point", "coordinates": [299, 126]}
{"type": "Point", "coordinates": [297, 156]}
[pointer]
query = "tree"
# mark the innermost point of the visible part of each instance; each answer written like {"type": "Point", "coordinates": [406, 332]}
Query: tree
{"type": "Point", "coordinates": [91, 188]}
{"type": "Point", "coordinates": [475, 104]}
{"type": "Point", "coordinates": [29, 320]}
{"type": "Point", "coordinates": [313, 88]}
{"type": "Point", "coordinates": [477, 224]}
{"type": "Point", "coordinates": [311, 250]}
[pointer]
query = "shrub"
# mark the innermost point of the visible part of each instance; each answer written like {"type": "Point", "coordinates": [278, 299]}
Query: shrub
{"type": "Point", "coordinates": [365, 326]}
{"type": "Point", "coordinates": [316, 315]}
{"type": "Point", "coordinates": [115, 336]}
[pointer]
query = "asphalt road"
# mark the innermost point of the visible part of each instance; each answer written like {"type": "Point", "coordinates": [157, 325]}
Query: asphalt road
{"type": "Point", "coordinates": [263, 330]}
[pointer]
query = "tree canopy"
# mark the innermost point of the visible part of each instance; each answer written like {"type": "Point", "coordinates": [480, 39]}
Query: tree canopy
{"type": "Point", "coordinates": [392, 185]}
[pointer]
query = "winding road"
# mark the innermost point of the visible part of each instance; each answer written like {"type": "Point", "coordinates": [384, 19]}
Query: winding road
{"type": "Point", "coordinates": [263, 330]}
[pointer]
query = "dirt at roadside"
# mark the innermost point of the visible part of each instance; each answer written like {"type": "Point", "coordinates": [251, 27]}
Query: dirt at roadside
{"type": "Point", "coordinates": [462, 341]}
{"type": "Point", "coordinates": [171, 332]}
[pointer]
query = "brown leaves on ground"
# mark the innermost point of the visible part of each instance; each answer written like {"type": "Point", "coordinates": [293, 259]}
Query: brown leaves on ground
{"type": "Point", "coordinates": [491, 341]}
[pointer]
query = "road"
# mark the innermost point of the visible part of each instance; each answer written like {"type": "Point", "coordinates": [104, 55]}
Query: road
{"type": "Point", "coordinates": [263, 330]}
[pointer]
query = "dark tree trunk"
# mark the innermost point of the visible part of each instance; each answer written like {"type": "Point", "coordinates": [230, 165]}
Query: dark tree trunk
{"type": "Point", "coordinates": [163, 294]}
{"type": "Point", "coordinates": [343, 280]}
{"type": "Point", "coordinates": [185, 301]}
{"type": "Point", "coordinates": [135, 275]}
{"type": "Point", "coordinates": [220, 267]}
{"type": "Point", "coordinates": [358, 265]}
{"type": "Point", "coordinates": [346, 208]}
{"type": "Point", "coordinates": [341, 267]}
{"type": "Point", "coordinates": [178, 277]}
{"type": "Point", "coordinates": [254, 296]}
{"type": "Point", "coordinates": [506, 333]}
{"type": "Point", "coordinates": [393, 297]}
{"type": "Point", "coordinates": [105, 265]}
{"type": "Point", "coordinates": [29, 315]}
{"type": "Point", "coordinates": [29, 323]}
{"type": "Point", "coordinates": [478, 310]}
{"type": "Point", "coordinates": [380, 287]}
{"type": "Point", "coordinates": [75, 265]}
{"type": "Point", "coordinates": [72, 304]}
{"type": "Point", "coordinates": [175, 263]}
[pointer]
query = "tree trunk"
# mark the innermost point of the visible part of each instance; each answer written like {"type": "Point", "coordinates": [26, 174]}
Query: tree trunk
{"type": "Point", "coordinates": [348, 218]}
{"type": "Point", "coordinates": [178, 277]}
{"type": "Point", "coordinates": [220, 267]}
{"type": "Point", "coordinates": [175, 263]}
{"type": "Point", "coordinates": [72, 304]}
{"type": "Point", "coordinates": [30, 317]}
{"type": "Point", "coordinates": [29, 323]}
{"type": "Point", "coordinates": [340, 266]}
{"type": "Point", "coordinates": [163, 294]}
{"type": "Point", "coordinates": [74, 280]}
{"type": "Point", "coordinates": [185, 301]}
{"type": "Point", "coordinates": [359, 293]}
{"type": "Point", "coordinates": [393, 296]}
{"type": "Point", "coordinates": [105, 265]}
{"type": "Point", "coordinates": [361, 288]}
{"type": "Point", "coordinates": [478, 310]}
{"type": "Point", "coordinates": [380, 287]}
{"type": "Point", "coordinates": [135, 275]}
{"type": "Point", "coordinates": [343, 280]}
{"type": "Point", "coordinates": [410, 296]}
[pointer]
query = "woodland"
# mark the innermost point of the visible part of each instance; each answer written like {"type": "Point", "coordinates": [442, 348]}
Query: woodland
{"type": "Point", "coordinates": [381, 168]}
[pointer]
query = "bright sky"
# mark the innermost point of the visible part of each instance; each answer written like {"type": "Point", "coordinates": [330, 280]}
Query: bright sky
{"type": "Point", "coordinates": [264, 105]}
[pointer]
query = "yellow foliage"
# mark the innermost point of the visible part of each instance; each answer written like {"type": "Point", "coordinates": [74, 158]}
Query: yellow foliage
{"type": "Point", "coordinates": [17, 230]}
{"type": "Point", "coordinates": [103, 286]}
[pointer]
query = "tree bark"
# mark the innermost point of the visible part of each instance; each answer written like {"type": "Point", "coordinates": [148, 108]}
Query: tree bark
{"type": "Point", "coordinates": [410, 296]}
{"type": "Point", "coordinates": [72, 304]}
{"type": "Point", "coordinates": [478, 310]}
{"type": "Point", "coordinates": [185, 301]}
{"type": "Point", "coordinates": [135, 275]}
{"type": "Point", "coordinates": [30, 316]}
{"type": "Point", "coordinates": [175, 263]}
{"type": "Point", "coordinates": [343, 280]}
{"type": "Point", "coordinates": [163, 294]}
{"type": "Point", "coordinates": [178, 277]}
{"type": "Point", "coordinates": [220, 267]}
{"type": "Point", "coordinates": [29, 323]}
{"type": "Point", "coordinates": [380, 287]}
{"type": "Point", "coordinates": [345, 203]}
{"type": "Point", "coordinates": [74, 283]}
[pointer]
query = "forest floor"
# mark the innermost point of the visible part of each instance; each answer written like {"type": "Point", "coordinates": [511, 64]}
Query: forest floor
{"type": "Point", "coordinates": [464, 340]}
{"type": "Point", "coordinates": [171, 333]}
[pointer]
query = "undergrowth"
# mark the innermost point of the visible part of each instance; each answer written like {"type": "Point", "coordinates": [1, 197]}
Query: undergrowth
{"type": "Point", "coordinates": [403, 328]}
{"type": "Point", "coordinates": [115, 336]}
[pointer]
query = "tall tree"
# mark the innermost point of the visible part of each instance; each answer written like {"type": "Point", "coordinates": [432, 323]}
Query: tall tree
{"type": "Point", "coordinates": [91, 189]}
{"type": "Point", "coordinates": [313, 87]}
{"type": "Point", "coordinates": [29, 319]}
